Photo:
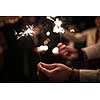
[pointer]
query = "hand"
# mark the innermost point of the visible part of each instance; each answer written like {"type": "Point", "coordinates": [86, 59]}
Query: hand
{"type": "Point", "coordinates": [55, 72]}
{"type": "Point", "coordinates": [68, 52]}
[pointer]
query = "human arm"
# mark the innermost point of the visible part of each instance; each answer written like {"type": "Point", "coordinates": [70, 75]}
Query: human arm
{"type": "Point", "coordinates": [92, 52]}
{"type": "Point", "coordinates": [60, 73]}
{"type": "Point", "coordinates": [90, 75]}
{"type": "Point", "coordinates": [76, 38]}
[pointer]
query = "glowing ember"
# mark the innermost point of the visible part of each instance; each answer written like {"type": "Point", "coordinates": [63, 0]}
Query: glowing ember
{"type": "Point", "coordinates": [55, 50]}
{"type": "Point", "coordinates": [57, 28]}
{"type": "Point", "coordinates": [48, 33]}
{"type": "Point", "coordinates": [29, 31]}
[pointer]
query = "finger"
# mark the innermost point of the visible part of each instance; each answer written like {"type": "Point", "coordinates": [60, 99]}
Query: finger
{"type": "Point", "coordinates": [65, 54]}
{"type": "Point", "coordinates": [54, 70]}
{"type": "Point", "coordinates": [59, 44]}
{"type": "Point", "coordinates": [47, 72]}
{"type": "Point", "coordinates": [44, 70]}
{"type": "Point", "coordinates": [47, 66]}
{"type": "Point", "coordinates": [71, 49]}
{"type": "Point", "coordinates": [61, 52]}
{"type": "Point", "coordinates": [62, 47]}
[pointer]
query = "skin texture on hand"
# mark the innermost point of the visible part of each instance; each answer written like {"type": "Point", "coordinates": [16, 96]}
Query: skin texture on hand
{"type": "Point", "coordinates": [68, 52]}
{"type": "Point", "coordinates": [55, 72]}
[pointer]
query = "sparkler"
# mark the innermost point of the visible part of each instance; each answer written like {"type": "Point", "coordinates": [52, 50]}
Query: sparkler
{"type": "Point", "coordinates": [29, 31]}
{"type": "Point", "coordinates": [50, 18]}
{"type": "Point", "coordinates": [57, 29]}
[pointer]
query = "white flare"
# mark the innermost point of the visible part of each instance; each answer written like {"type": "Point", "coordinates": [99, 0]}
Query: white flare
{"type": "Point", "coordinates": [48, 33]}
{"type": "Point", "coordinates": [55, 50]}
{"type": "Point", "coordinates": [43, 48]}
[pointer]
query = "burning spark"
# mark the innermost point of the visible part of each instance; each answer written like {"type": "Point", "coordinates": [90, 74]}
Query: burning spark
{"type": "Point", "coordinates": [28, 32]}
{"type": "Point", "coordinates": [55, 50]}
{"type": "Point", "coordinates": [57, 28]}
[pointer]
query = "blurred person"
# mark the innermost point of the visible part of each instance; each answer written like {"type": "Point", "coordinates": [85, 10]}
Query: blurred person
{"type": "Point", "coordinates": [8, 20]}
{"type": "Point", "coordinates": [27, 55]}
{"type": "Point", "coordinates": [91, 37]}
{"type": "Point", "coordinates": [3, 48]}
{"type": "Point", "coordinates": [17, 65]}
{"type": "Point", "coordinates": [4, 20]}
{"type": "Point", "coordinates": [19, 52]}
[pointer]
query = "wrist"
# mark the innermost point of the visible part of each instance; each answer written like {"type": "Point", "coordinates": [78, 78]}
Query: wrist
{"type": "Point", "coordinates": [76, 74]}
{"type": "Point", "coordinates": [74, 77]}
